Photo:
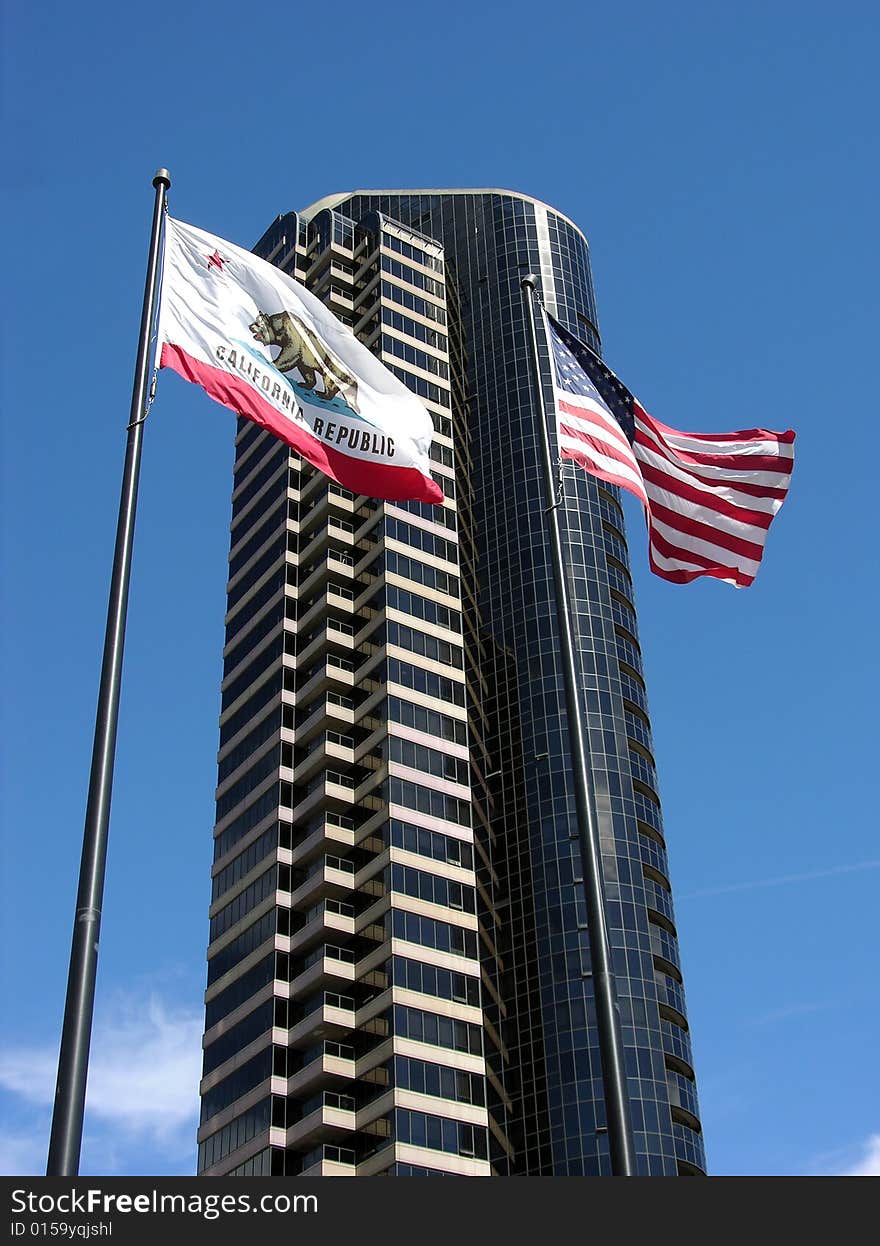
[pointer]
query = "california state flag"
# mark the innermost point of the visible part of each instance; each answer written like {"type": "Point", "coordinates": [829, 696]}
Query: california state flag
{"type": "Point", "coordinates": [259, 343]}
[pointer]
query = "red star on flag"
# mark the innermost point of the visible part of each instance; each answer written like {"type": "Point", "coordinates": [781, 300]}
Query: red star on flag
{"type": "Point", "coordinates": [216, 261]}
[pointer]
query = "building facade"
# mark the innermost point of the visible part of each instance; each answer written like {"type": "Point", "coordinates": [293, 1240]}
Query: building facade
{"type": "Point", "coordinates": [399, 975]}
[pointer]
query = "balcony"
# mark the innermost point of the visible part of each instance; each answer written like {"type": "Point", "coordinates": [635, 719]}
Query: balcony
{"type": "Point", "coordinates": [333, 672]}
{"type": "Point", "coordinates": [328, 876]}
{"type": "Point", "coordinates": [330, 1161]}
{"type": "Point", "coordinates": [333, 828]}
{"type": "Point", "coordinates": [323, 921]}
{"type": "Point", "coordinates": [663, 944]}
{"type": "Point", "coordinates": [671, 993]}
{"type": "Point", "coordinates": [312, 493]}
{"type": "Point", "coordinates": [333, 501]}
{"type": "Point", "coordinates": [331, 1016]}
{"type": "Point", "coordinates": [330, 636]}
{"type": "Point", "coordinates": [337, 530]}
{"type": "Point", "coordinates": [329, 791]}
{"type": "Point", "coordinates": [683, 1095]}
{"type": "Point", "coordinates": [331, 749]}
{"type": "Point", "coordinates": [336, 707]}
{"type": "Point", "coordinates": [339, 299]}
{"type": "Point", "coordinates": [332, 1118]}
{"type": "Point", "coordinates": [327, 967]}
{"type": "Point", "coordinates": [332, 1062]}
{"type": "Point", "coordinates": [334, 597]}
{"type": "Point", "coordinates": [658, 899]}
{"type": "Point", "coordinates": [336, 564]}
{"type": "Point", "coordinates": [676, 1041]}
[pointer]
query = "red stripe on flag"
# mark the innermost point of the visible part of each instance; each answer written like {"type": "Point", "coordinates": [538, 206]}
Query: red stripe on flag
{"type": "Point", "coordinates": [706, 532]}
{"type": "Point", "coordinates": [653, 442]}
{"type": "Point", "coordinates": [621, 454]}
{"type": "Point", "coordinates": [703, 564]}
{"type": "Point", "coordinates": [593, 416]}
{"type": "Point", "coordinates": [706, 501]}
{"type": "Point", "coordinates": [377, 480]}
{"type": "Point", "coordinates": [731, 462]}
{"type": "Point", "coordinates": [611, 477]}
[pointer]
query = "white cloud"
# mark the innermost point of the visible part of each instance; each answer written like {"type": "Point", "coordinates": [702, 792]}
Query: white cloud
{"type": "Point", "coordinates": [776, 1015]}
{"type": "Point", "coordinates": [869, 1164]}
{"type": "Point", "coordinates": [146, 1070]}
{"type": "Point", "coordinates": [729, 888]}
{"type": "Point", "coordinates": [28, 1072]}
{"type": "Point", "coordinates": [24, 1154]}
{"type": "Point", "coordinates": [143, 1083]}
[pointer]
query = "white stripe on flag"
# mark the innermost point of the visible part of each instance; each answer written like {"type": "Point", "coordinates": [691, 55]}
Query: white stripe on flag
{"type": "Point", "coordinates": [763, 443]}
{"type": "Point", "coordinates": [685, 544]}
{"type": "Point", "coordinates": [604, 465]}
{"type": "Point", "coordinates": [765, 505]}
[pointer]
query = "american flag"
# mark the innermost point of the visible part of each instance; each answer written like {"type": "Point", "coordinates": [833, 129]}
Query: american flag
{"type": "Point", "coordinates": [709, 498]}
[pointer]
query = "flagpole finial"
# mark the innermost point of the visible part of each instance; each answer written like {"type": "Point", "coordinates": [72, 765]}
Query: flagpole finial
{"type": "Point", "coordinates": [162, 178]}
{"type": "Point", "coordinates": [529, 282]}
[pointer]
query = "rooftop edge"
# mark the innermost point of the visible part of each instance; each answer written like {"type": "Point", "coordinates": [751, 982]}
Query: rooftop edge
{"type": "Point", "coordinates": [331, 201]}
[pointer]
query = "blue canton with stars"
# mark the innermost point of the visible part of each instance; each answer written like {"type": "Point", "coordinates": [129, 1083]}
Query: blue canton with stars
{"type": "Point", "coordinates": [580, 371]}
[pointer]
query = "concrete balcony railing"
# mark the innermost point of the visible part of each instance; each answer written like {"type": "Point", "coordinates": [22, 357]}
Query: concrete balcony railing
{"type": "Point", "coordinates": [323, 1069]}
{"type": "Point", "coordinates": [315, 844]}
{"type": "Point", "coordinates": [336, 530]}
{"type": "Point", "coordinates": [334, 565]}
{"type": "Point", "coordinates": [325, 1123]}
{"type": "Point", "coordinates": [330, 791]}
{"type": "Point", "coordinates": [327, 1020]}
{"type": "Point", "coordinates": [314, 608]}
{"type": "Point", "coordinates": [326, 752]}
{"type": "Point", "coordinates": [317, 504]}
{"type": "Point", "coordinates": [326, 972]}
{"type": "Point", "coordinates": [330, 1168]}
{"type": "Point", "coordinates": [328, 876]}
{"type": "Point", "coordinates": [327, 714]}
{"type": "Point", "coordinates": [330, 674]}
{"type": "Point", "coordinates": [330, 636]}
{"type": "Point", "coordinates": [322, 925]}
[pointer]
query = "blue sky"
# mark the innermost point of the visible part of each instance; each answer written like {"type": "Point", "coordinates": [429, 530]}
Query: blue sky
{"type": "Point", "coordinates": [722, 160]}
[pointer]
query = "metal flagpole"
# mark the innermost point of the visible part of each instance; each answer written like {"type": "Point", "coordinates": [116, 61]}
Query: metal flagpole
{"type": "Point", "coordinates": [70, 1091]}
{"type": "Point", "coordinates": [623, 1162]}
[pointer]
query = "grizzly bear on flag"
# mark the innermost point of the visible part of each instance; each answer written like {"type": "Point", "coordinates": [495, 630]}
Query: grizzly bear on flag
{"type": "Point", "coordinates": [302, 349]}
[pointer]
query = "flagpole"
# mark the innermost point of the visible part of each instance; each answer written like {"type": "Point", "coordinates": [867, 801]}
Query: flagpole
{"type": "Point", "coordinates": [620, 1138]}
{"type": "Point", "coordinates": [70, 1091]}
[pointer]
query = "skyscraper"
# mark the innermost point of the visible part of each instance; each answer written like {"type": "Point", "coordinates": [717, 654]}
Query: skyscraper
{"type": "Point", "coordinates": [399, 975]}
